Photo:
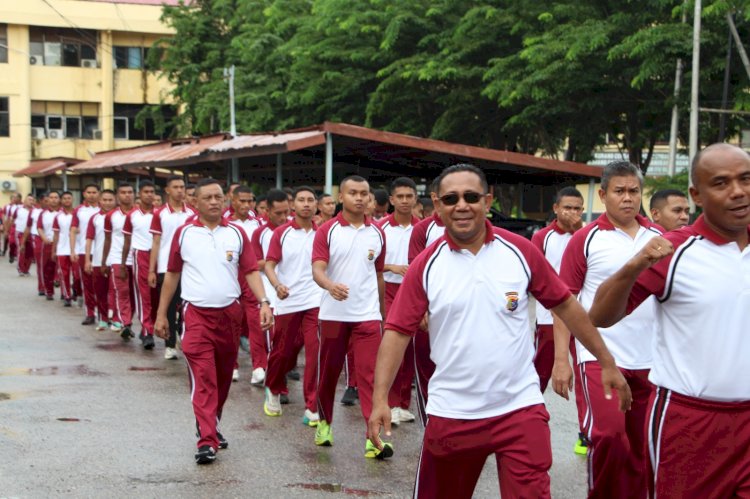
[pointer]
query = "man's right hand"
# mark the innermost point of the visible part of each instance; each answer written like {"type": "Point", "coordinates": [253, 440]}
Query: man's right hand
{"type": "Point", "coordinates": [152, 279]}
{"type": "Point", "coordinates": [612, 378]}
{"type": "Point", "coordinates": [88, 268]}
{"type": "Point", "coordinates": [380, 416]}
{"type": "Point", "coordinates": [338, 291]}
{"type": "Point", "coordinates": [562, 378]}
{"type": "Point", "coordinates": [161, 327]}
{"type": "Point", "coordinates": [73, 257]}
{"type": "Point", "coordinates": [282, 291]}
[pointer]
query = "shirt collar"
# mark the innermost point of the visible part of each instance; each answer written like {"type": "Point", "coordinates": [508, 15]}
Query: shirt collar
{"type": "Point", "coordinates": [436, 218]}
{"type": "Point", "coordinates": [344, 222]}
{"type": "Point", "coordinates": [605, 223]}
{"type": "Point", "coordinates": [223, 222]}
{"type": "Point", "coordinates": [488, 237]}
{"type": "Point", "coordinates": [701, 227]}
{"type": "Point", "coordinates": [293, 223]}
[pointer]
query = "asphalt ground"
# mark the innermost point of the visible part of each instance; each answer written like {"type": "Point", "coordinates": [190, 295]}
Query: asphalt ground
{"type": "Point", "coordinates": [84, 414]}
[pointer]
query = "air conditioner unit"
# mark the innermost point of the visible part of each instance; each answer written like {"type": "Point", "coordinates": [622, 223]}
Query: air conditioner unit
{"type": "Point", "coordinates": [56, 134]}
{"type": "Point", "coordinates": [8, 185]}
{"type": "Point", "coordinates": [36, 60]}
{"type": "Point", "coordinates": [98, 135]}
{"type": "Point", "coordinates": [37, 132]}
{"type": "Point", "coordinates": [88, 63]}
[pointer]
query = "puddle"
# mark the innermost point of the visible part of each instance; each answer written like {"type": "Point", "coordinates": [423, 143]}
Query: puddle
{"type": "Point", "coordinates": [136, 368]}
{"type": "Point", "coordinates": [335, 488]}
{"type": "Point", "coordinates": [79, 370]}
{"type": "Point", "coordinates": [166, 480]}
{"type": "Point", "coordinates": [115, 347]}
{"type": "Point", "coordinates": [73, 420]}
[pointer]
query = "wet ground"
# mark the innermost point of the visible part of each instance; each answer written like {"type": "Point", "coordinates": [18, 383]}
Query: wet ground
{"type": "Point", "coordinates": [85, 415]}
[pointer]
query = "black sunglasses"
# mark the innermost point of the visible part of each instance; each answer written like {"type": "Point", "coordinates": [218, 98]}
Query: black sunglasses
{"type": "Point", "coordinates": [453, 198]}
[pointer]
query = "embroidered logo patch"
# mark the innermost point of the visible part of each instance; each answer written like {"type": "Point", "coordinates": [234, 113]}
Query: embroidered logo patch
{"type": "Point", "coordinates": [371, 255]}
{"type": "Point", "coordinates": [230, 255]}
{"type": "Point", "coordinates": [511, 301]}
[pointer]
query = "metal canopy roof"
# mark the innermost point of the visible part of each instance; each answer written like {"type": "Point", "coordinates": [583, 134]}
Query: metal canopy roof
{"type": "Point", "coordinates": [44, 167]}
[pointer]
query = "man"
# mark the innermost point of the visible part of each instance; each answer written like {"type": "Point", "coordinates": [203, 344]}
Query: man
{"type": "Point", "coordinates": [398, 227]}
{"type": "Point", "coordinates": [119, 270]}
{"type": "Point", "coordinates": [287, 269]}
{"type": "Point", "coordinates": [93, 258]}
{"type": "Point", "coordinates": [137, 236]}
{"type": "Point", "coordinates": [552, 241]}
{"type": "Point", "coordinates": [228, 210]}
{"type": "Point", "coordinates": [326, 209]}
{"type": "Point", "coordinates": [164, 224]}
{"type": "Point", "coordinates": [46, 265]}
{"type": "Point", "coordinates": [31, 233]}
{"type": "Point", "coordinates": [669, 209]}
{"type": "Point", "coordinates": [262, 208]}
{"type": "Point", "coordinates": [8, 212]}
{"type": "Point", "coordinates": [428, 207]}
{"type": "Point", "coordinates": [418, 210]}
{"type": "Point", "coordinates": [699, 417]}
{"type": "Point", "coordinates": [381, 204]}
{"type": "Point", "coordinates": [158, 200]}
{"type": "Point", "coordinates": [242, 198]}
{"type": "Point", "coordinates": [83, 284]}
{"type": "Point", "coordinates": [278, 211]}
{"type": "Point", "coordinates": [347, 262]}
{"type": "Point", "coordinates": [189, 195]}
{"type": "Point", "coordinates": [25, 248]}
{"type": "Point", "coordinates": [475, 284]}
{"type": "Point", "coordinates": [617, 445]}
{"type": "Point", "coordinates": [61, 245]}
{"type": "Point", "coordinates": [210, 256]}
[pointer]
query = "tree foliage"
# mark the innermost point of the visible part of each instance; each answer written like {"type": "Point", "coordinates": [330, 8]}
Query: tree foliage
{"type": "Point", "coordinates": [550, 76]}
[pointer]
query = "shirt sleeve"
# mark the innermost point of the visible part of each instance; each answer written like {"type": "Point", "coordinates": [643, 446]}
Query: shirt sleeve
{"type": "Point", "coordinates": [29, 221]}
{"type": "Point", "coordinates": [56, 225]}
{"type": "Point", "coordinates": [174, 263]}
{"type": "Point", "coordinates": [248, 261]}
{"type": "Point", "coordinates": [40, 222]}
{"type": "Point", "coordinates": [321, 251]}
{"type": "Point", "coordinates": [75, 222]}
{"type": "Point", "coordinates": [255, 244]}
{"type": "Point", "coordinates": [417, 241]}
{"type": "Point", "coordinates": [410, 303]}
{"type": "Point", "coordinates": [127, 227]}
{"type": "Point", "coordinates": [653, 280]}
{"type": "Point", "coordinates": [156, 223]}
{"type": "Point", "coordinates": [538, 240]}
{"type": "Point", "coordinates": [108, 222]}
{"type": "Point", "coordinates": [380, 260]}
{"type": "Point", "coordinates": [91, 229]}
{"type": "Point", "coordinates": [544, 283]}
{"type": "Point", "coordinates": [574, 265]}
{"type": "Point", "coordinates": [274, 248]}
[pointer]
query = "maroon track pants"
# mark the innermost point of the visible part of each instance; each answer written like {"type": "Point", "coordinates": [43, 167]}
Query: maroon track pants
{"type": "Point", "coordinates": [146, 297]}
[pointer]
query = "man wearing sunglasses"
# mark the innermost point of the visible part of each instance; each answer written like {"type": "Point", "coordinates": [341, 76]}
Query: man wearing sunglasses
{"type": "Point", "coordinates": [475, 283]}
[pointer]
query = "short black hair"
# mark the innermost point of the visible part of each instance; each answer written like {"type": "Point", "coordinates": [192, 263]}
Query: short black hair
{"type": "Point", "coordinates": [434, 185]}
{"type": "Point", "coordinates": [242, 189]}
{"type": "Point", "coordinates": [463, 167]}
{"type": "Point", "coordinates": [173, 178]}
{"type": "Point", "coordinates": [659, 198]}
{"type": "Point", "coordinates": [381, 197]}
{"type": "Point", "coordinates": [304, 188]}
{"type": "Point", "coordinates": [124, 185]}
{"type": "Point", "coordinates": [145, 183]}
{"type": "Point", "coordinates": [402, 182]}
{"type": "Point", "coordinates": [189, 186]}
{"type": "Point", "coordinates": [567, 192]}
{"type": "Point", "coordinates": [323, 196]}
{"type": "Point", "coordinates": [108, 191]}
{"type": "Point", "coordinates": [206, 181]}
{"type": "Point", "coordinates": [276, 196]}
{"type": "Point", "coordinates": [90, 185]}
{"type": "Point", "coordinates": [352, 178]}
{"type": "Point", "coordinates": [620, 169]}
{"type": "Point", "coordinates": [427, 202]}
{"type": "Point", "coordinates": [66, 192]}
{"type": "Point", "coordinates": [260, 198]}
{"type": "Point", "coordinates": [288, 190]}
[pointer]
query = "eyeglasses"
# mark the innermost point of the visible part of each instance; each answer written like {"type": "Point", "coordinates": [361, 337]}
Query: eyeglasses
{"type": "Point", "coordinates": [453, 198]}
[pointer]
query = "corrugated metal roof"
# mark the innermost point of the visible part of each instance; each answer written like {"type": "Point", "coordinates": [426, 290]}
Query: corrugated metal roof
{"type": "Point", "coordinates": [263, 140]}
{"type": "Point", "coordinates": [42, 167]}
{"type": "Point", "coordinates": [158, 154]}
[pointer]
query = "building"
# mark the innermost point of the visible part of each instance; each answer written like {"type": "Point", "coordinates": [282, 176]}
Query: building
{"type": "Point", "coordinates": [73, 77]}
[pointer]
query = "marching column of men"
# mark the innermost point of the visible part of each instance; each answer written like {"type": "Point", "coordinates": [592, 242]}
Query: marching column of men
{"type": "Point", "coordinates": [660, 386]}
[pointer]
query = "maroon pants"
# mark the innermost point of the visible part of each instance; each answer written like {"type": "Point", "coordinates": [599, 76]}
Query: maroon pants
{"type": "Point", "coordinates": [617, 454]}
{"type": "Point", "coordinates": [119, 295]}
{"type": "Point", "coordinates": [87, 283]}
{"type": "Point", "coordinates": [47, 268]}
{"type": "Point", "coordinates": [101, 292]}
{"type": "Point", "coordinates": [334, 342]}
{"type": "Point", "coordinates": [698, 448]}
{"type": "Point", "coordinates": [37, 243]}
{"type": "Point", "coordinates": [146, 297]}
{"type": "Point", "coordinates": [25, 254]}
{"type": "Point", "coordinates": [64, 270]}
{"type": "Point", "coordinates": [454, 452]}
{"type": "Point", "coordinates": [75, 270]}
{"type": "Point", "coordinates": [291, 332]}
{"type": "Point", "coordinates": [12, 242]}
{"type": "Point", "coordinates": [210, 341]}
{"type": "Point", "coordinates": [424, 367]}
{"type": "Point", "coordinates": [544, 360]}
{"type": "Point", "coordinates": [400, 394]}
{"type": "Point", "coordinates": [259, 340]}
{"type": "Point", "coordinates": [350, 368]}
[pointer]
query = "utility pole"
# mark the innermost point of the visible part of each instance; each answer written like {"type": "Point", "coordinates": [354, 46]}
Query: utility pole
{"type": "Point", "coordinates": [694, 137]}
{"type": "Point", "coordinates": [671, 165]}
{"type": "Point", "coordinates": [229, 75]}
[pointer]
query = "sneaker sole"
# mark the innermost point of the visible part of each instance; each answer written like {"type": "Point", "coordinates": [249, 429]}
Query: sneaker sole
{"type": "Point", "coordinates": [269, 412]}
{"type": "Point", "coordinates": [383, 454]}
{"type": "Point", "coordinates": [326, 443]}
{"type": "Point", "coordinates": [309, 422]}
{"type": "Point", "coordinates": [205, 459]}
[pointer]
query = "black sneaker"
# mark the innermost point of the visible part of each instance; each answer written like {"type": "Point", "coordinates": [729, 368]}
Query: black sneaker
{"type": "Point", "coordinates": [42, 293]}
{"type": "Point", "coordinates": [148, 342]}
{"type": "Point", "coordinates": [223, 443]}
{"type": "Point", "coordinates": [67, 303]}
{"type": "Point", "coordinates": [88, 321]}
{"type": "Point", "coordinates": [10, 259]}
{"type": "Point", "coordinates": [205, 455]}
{"type": "Point", "coordinates": [350, 396]}
{"type": "Point", "coordinates": [50, 298]}
{"type": "Point", "coordinates": [284, 398]}
{"type": "Point", "coordinates": [126, 333]}
{"type": "Point", "coordinates": [293, 375]}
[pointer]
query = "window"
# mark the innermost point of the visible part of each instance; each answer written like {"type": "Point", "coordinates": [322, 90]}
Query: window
{"type": "Point", "coordinates": [129, 57]}
{"type": "Point", "coordinates": [120, 125]}
{"type": "Point", "coordinates": [73, 120]}
{"type": "Point", "coordinates": [62, 47]}
{"type": "Point", "coordinates": [4, 117]}
{"type": "Point", "coordinates": [3, 43]}
{"type": "Point", "coordinates": [126, 122]}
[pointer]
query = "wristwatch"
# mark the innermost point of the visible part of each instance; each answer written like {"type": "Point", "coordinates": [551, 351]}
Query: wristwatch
{"type": "Point", "coordinates": [265, 300]}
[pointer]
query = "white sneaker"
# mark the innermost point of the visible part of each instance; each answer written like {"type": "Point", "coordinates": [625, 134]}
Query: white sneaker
{"type": "Point", "coordinates": [405, 416]}
{"type": "Point", "coordinates": [395, 416]}
{"type": "Point", "coordinates": [258, 377]}
{"type": "Point", "coordinates": [170, 353]}
{"type": "Point", "coordinates": [236, 375]}
{"type": "Point", "coordinates": [310, 418]}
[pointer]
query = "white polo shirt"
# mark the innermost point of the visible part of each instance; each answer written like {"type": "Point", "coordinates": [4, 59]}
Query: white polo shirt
{"type": "Point", "coordinates": [114, 221]}
{"type": "Point", "coordinates": [261, 241]}
{"type": "Point", "coordinates": [479, 322]}
{"type": "Point", "coordinates": [398, 238]}
{"type": "Point", "coordinates": [355, 255]}
{"type": "Point", "coordinates": [424, 234]}
{"type": "Point", "coordinates": [211, 262]}
{"type": "Point", "coordinates": [594, 253]}
{"type": "Point", "coordinates": [249, 225]}
{"type": "Point", "coordinates": [551, 241]}
{"type": "Point", "coordinates": [165, 222]}
{"type": "Point", "coordinates": [61, 225]}
{"type": "Point", "coordinates": [291, 248]}
{"type": "Point", "coordinates": [33, 222]}
{"type": "Point", "coordinates": [45, 223]}
{"type": "Point", "coordinates": [81, 216]}
{"type": "Point", "coordinates": [95, 232]}
{"type": "Point", "coordinates": [138, 226]}
{"type": "Point", "coordinates": [702, 307]}
{"type": "Point", "coordinates": [21, 218]}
